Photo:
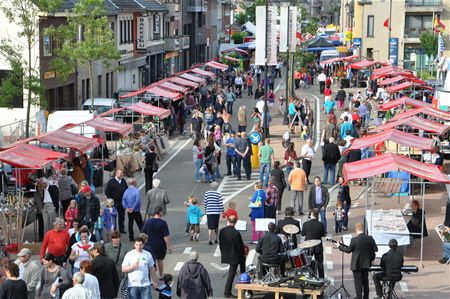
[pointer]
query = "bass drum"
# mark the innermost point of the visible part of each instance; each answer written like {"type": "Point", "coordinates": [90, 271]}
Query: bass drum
{"type": "Point", "coordinates": [298, 258]}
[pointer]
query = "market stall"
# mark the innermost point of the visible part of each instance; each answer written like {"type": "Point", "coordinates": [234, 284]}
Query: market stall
{"type": "Point", "coordinates": [414, 122]}
{"type": "Point", "coordinates": [432, 112]}
{"type": "Point", "coordinates": [403, 101]}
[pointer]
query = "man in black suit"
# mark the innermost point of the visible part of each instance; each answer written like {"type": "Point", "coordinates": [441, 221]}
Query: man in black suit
{"type": "Point", "coordinates": [232, 252]}
{"type": "Point", "coordinates": [363, 250]}
{"type": "Point", "coordinates": [105, 270]}
{"type": "Point", "coordinates": [269, 248]}
{"type": "Point", "coordinates": [314, 230]}
{"type": "Point", "coordinates": [289, 212]}
{"type": "Point", "coordinates": [319, 198]}
{"type": "Point", "coordinates": [391, 263]}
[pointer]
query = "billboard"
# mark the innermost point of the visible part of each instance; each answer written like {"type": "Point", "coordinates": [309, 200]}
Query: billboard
{"type": "Point", "coordinates": [263, 25]}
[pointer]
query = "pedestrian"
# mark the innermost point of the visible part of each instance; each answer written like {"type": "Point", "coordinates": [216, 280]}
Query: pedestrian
{"type": "Point", "coordinates": [109, 218]}
{"type": "Point", "coordinates": [257, 203]}
{"type": "Point", "coordinates": [13, 286]}
{"type": "Point", "coordinates": [116, 250]}
{"type": "Point", "coordinates": [339, 215]}
{"type": "Point", "coordinates": [297, 181]}
{"type": "Point", "coordinates": [290, 156]}
{"type": "Point", "coordinates": [231, 253]}
{"type": "Point", "coordinates": [314, 230]}
{"type": "Point", "coordinates": [187, 203]}
{"type": "Point", "coordinates": [328, 104]}
{"type": "Point", "coordinates": [193, 280]}
{"type": "Point", "coordinates": [140, 268]}
{"type": "Point", "coordinates": [78, 291]}
{"type": "Point", "coordinates": [80, 250]}
{"type": "Point", "coordinates": [165, 290]}
{"type": "Point", "coordinates": [90, 281]}
{"type": "Point", "coordinates": [88, 169]}
{"type": "Point", "coordinates": [105, 270]}
{"type": "Point", "coordinates": [77, 172]}
{"type": "Point", "coordinates": [54, 278]}
{"type": "Point", "coordinates": [115, 188]}
{"type": "Point", "coordinates": [89, 207]}
{"type": "Point", "coordinates": [307, 155]}
{"type": "Point", "coordinates": [194, 215]}
{"type": "Point", "coordinates": [249, 83]}
{"type": "Point", "coordinates": [345, 199]}
{"type": "Point", "coordinates": [321, 78]}
{"type": "Point", "coordinates": [99, 226]}
{"type": "Point", "coordinates": [231, 211]}
{"type": "Point", "coordinates": [346, 126]}
{"type": "Point", "coordinates": [330, 156]}
{"type": "Point", "coordinates": [243, 157]}
{"type": "Point", "coordinates": [56, 242]}
{"type": "Point", "coordinates": [197, 152]}
{"type": "Point", "coordinates": [230, 144]}
{"type": "Point", "coordinates": [28, 272]}
{"type": "Point", "coordinates": [214, 208]}
{"type": "Point", "coordinates": [196, 125]}
{"type": "Point", "coordinates": [238, 82]}
{"type": "Point", "coordinates": [151, 166]}
{"type": "Point", "coordinates": [131, 201]}
{"type": "Point", "coordinates": [38, 200]}
{"type": "Point", "coordinates": [328, 131]}
{"type": "Point", "coordinates": [66, 187]}
{"type": "Point", "coordinates": [48, 205]}
{"type": "Point", "coordinates": [210, 160]}
{"type": "Point", "coordinates": [277, 177]}
{"type": "Point", "coordinates": [340, 97]}
{"type": "Point", "coordinates": [259, 92]}
{"type": "Point", "coordinates": [319, 198]}
{"type": "Point", "coordinates": [157, 197]}
{"type": "Point", "coordinates": [271, 203]}
{"type": "Point", "coordinates": [159, 238]}
{"type": "Point", "coordinates": [266, 157]}
{"type": "Point", "coordinates": [71, 213]}
{"type": "Point", "coordinates": [242, 118]}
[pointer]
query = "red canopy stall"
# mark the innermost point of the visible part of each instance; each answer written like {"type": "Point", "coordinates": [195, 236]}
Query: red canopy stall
{"type": "Point", "coordinates": [416, 123]}
{"type": "Point", "coordinates": [29, 156]}
{"type": "Point", "coordinates": [436, 113]}
{"type": "Point", "coordinates": [363, 64]}
{"type": "Point", "coordinates": [217, 65]}
{"type": "Point", "coordinates": [173, 87]}
{"type": "Point", "coordinates": [107, 125]}
{"type": "Point", "coordinates": [403, 100]}
{"type": "Point", "coordinates": [193, 78]}
{"type": "Point", "coordinates": [203, 72]}
{"type": "Point", "coordinates": [183, 82]}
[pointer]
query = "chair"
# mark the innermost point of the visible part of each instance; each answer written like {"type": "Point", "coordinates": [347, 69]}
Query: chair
{"type": "Point", "coordinates": [273, 272]}
{"type": "Point", "coordinates": [388, 289]}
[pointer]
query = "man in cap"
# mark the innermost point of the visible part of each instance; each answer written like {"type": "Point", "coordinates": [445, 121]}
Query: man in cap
{"type": "Point", "coordinates": [28, 271]}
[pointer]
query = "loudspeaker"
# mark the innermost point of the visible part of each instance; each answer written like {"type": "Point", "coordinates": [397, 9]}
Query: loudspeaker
{"type": "Point", "coordinates": [447, 215]}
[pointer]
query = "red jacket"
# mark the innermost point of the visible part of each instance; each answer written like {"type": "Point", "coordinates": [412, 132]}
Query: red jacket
{"type": "Point", "coordinates": [55, 242]}
{"type": "Point", "coordinates": [70, 216]}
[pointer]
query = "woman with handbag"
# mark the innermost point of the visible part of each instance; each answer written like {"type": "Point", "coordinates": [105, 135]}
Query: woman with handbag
{"type": "Point", "coordinates": [257, 210]}
{"type": "Point", "coordinates": [277, 177]}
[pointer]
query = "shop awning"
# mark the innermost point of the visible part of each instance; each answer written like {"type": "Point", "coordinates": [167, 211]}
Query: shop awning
{"type": "Point", "coordinates": [192, 78]}
{"type": "Point", "coordinates": [29, 156]}
{"type": "Point", "coordinates": [217, 65]}
{"type": "Point", "coordinates": [399, 137]}
{"type": "Point", "coordinates": [392, 162]}
{"type": "Point", "coordinates": [439, 114]}
{"type": "Point", "coordinates": [403, 100]}
{"type": "Point", "coordinates": [391, 80]}
{"type": "Point", "coordinates": [331, 60]}
{"type": "Point", "coordinates": [174, 87]}
{"type": "Point", "coordinates": [235, 50]}
{"type": "Point", "coordinates": [350, 58]}
{"type": "Point", "coordinates": [67, 139]}
{"type": "Point", "coordinates": [392, 72]}
{"type": "Point", "coordinates": [149, 110]}
{"type": "Point", "coordinates": [232, 58]}
{"type": "Point", "coordinates": [415, 122]}
{"type": "Point", "coordinates": [203, 72]}
{"type": "Point", "coordinates": [183, 82]}
{"type": "Point", "coordinates": [363, 64]}
{"type": "Point", "coordinates": [107, 125]}
{"type": "Point", "coordinates": [164, 93]}
{"type": "Point", "coordinates": [109, 112]}
{"type": "Point", "coordinates": [134, 93]}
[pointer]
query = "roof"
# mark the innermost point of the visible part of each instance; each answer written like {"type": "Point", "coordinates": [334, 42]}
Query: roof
{"type": "Point", "coordinates": [391, 80]}
{"type": "Point", "coordinates": [217, 65]}
{"type": "Point", "coordinates": [425, 110]}
{"type": "Point", "coordinates": [114, 7]}
{"type": "Point", "coordinates": [192, 78]}
{"type": "Point", "coordinates": [203, 72]}
{"type": "Point", "coordinates": [403, 100]}
{"type": "Point", "coordinates": [99, 102]}
{"type": "Point", "coordinates": [399, 137]}
{"type": "Point", "coordinates": [107, 125]}
{"type": "Point", "coordinates": [110, 7]}
{"type": "Point", "coordinates": [184, 82]}
{"type": "Point", "coordinates": [164, 93]}
{"type": "Point", "coordinates": [416, 123]}
{"type": "Point", "coordinates": [152, 5]}
{"type": "Point", "coordinates": [384, 163]}
{"type": "Point", "coordinates": [149, 110]}
{"type": "Point", "coordinates": [29, 156]}
{"type": "Point", "coordinates": [66, 139]}
{"type": "Point", "coordinates": [173, 87]}
{"type": "Point", "coordinates": [362, 64]}
{"type": "Point", "coordinates": [320, 42]}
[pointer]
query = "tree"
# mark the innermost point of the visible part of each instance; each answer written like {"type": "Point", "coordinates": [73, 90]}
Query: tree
{"type": "Point", "coordinates": [96, 43]}
{"type": "Point", "coordinates": [249, 11]}
{"type": "Point", "coordinates": [25, 14]}
{"type": "Point", "coordinates": [429, 43]}
{"type": "Point", "coordinates": [11, 87]}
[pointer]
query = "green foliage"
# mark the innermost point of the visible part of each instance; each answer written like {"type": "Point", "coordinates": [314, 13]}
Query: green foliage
{"type": "Point", "coordinates": [302, 59]}
{"type": "Point", "coordinates": [11, 87]}
{"type": "Point", "coordinates": [311, 26]}
{"type": "Point", "coordinates": [238, 37]}
{"type": "Point", "coordinates": [429, 43]}
{"type": "Point", "coordinates": [97, 42]}
{"type": "Point", "coordinates": [249, 13]}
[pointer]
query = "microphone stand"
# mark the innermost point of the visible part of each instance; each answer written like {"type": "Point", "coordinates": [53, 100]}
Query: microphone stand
{"type": "Point", "coordinates": [342, 286]}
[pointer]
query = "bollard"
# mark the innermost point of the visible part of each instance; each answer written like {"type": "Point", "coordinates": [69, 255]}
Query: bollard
{"type": "Point", "coordinates": [255, 158]}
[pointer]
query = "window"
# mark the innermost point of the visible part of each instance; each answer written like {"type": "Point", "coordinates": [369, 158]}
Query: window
{"type": "Point", "coordinates": [107, 85]}
{"type": "Point", "coordinates": [47, 41]}
{"type": "Point", "coordinates": [111, 26]}
{"type": "Point", "coordinates": [129, 38]}
{"type": "Point", "coordinates": [370, 25]}
{"type": "Point", "coordinates": [111, 79]}
{"type": "Point", "coordinates": [156, 27]}
{"type": "Point", "coordinates": [416, 24]}
{"type": "Point", "coordinates": [99, 85]}
{"type": "Point", "coordinates": [121, 31]}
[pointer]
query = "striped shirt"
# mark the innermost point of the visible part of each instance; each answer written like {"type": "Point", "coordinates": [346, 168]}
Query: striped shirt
{"type": "Point", "coordinates": [213, 202]}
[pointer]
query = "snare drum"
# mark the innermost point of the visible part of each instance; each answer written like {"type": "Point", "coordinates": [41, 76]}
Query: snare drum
{"type": "Point", "coordinates": [298, 258]}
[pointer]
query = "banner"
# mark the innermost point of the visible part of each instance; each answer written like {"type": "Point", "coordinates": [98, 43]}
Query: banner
{"type": "Point", "coordinates": [260, 44]}
{"type": "Point", "coordinates": [393, 51]}
{"type": "Point", "coordinates": [272, 55]}
{"type": "Point", "coordinates": [293, 12]}
{"type": "Point", "coordinates": [261, 25]}
{"type": "Point", "coordinates": [141, 33]}
{"type": "Point", "coordinates": [284, 21]}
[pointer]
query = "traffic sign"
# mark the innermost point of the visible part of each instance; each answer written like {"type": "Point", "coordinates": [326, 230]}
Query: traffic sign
{"type": "Point", "coordinates": [255, 137]}
{"type": "Point", "coordinates": [357, 41]}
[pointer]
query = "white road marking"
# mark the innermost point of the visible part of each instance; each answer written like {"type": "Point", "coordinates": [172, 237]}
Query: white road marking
{"type": "Point", "coordinates": [329, 265]}
{"type": "Point", "coordinates": [355, 205]}
{"type": "Point", "coordinates": [187, 250]}
{"type": "Point", "coordinates": [331, 279]}
{"type": "Point", "coordinates": [403, 286]}
{"type": "Point", "coordinates": [222, 184]}
{"type": "Point", "coordinates": [217, 251]}
{"type": "Point", "coordinates": [227, 199]}
{"type": "Point", "coordinates": [349, 212]}
{"type": "Point", "coordinates": [215, 265]}
{"type": "Point", "coordinates": [178, 266]}
{"type": "Point", "coordinates": [328, 250]}
{"type": "Point", "coordinates": [250, 257]}
{"type": "Point", "coordinates": [203, 221]}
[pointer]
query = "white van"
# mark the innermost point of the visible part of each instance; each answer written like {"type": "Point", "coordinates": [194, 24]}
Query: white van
{"type": "Point", "coordinates": [101, 104]}
{"type": "Point", "coordinates": [59, 119]}
{"type": "Point", "coordinates": [337, 52]}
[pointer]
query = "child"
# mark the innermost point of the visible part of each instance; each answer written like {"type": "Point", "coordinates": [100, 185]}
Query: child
{"type": "Point", "coordinates": [71, 214]}
{"type": "Point", "coordinates": [98, 227]}
{"type": "Point", "coordinates": [218, 135]}
{"type": "Point", "coordinates": [304, 135]}
{"type": "Point", "coordinates": [280, 105]}
{"type": "Point", "coordinates": [165, 290]}
{"type": "Point", "coordinates": [194, 214]}
{"type": "Point", "coordinates": [187, 204]}
{"type": "Point", "coordinates": [231, 210]}
{"type": "Point", "coordinates": [109, 218]}
{"type": "Point", "coordinates": [338, 217]}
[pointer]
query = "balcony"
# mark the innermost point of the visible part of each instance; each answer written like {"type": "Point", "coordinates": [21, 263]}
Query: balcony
{"type": "Point", "coordinates": [171, 44]}
{"type": "Point", "coordinates": [424, 2]}
{"type": "Point", "coordinates": [197, 6]}
{"type": "Point", "coordinates": [174, 8]}
{"type": "Point", "coordinates": [184, 41]}
{"type": "Point", "coordinates": [424, 6]}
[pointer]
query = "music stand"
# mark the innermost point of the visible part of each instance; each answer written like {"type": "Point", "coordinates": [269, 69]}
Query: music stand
{"type": "Point", "coordinates": [342, 286]}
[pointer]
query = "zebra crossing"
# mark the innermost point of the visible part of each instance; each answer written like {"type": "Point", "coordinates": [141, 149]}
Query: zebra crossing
{"type": "Point", "coordinates": [231, 186]}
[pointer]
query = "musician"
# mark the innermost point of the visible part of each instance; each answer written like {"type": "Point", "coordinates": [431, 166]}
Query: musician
{"type": "Point", "coordinates": [363, 250]}
{"type": "Point", "coordinates": [289, 219]}
{"type": "Point", "coordinates": [314, 230]}
{"type": "Point", "coordinates": [269, 248]}
{"type": "Point", "coordinates": [415, 223]}
{"type": "Point", "coordinates": [391, 263]}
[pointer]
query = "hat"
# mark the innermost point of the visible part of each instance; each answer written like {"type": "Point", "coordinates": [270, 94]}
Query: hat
{"type": "Point", "coordinates": [86, 189]}
{"type": "Point", "coordinates": [24, 252]}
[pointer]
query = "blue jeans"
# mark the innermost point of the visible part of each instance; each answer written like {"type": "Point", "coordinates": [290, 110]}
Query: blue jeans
{"type": "Point", "coordinates": [231, 164]}
{"type": "Point", "coordinates": [288, 171]}
{"type": "Point", "coordinates": [140, 292]}
{"type": "Point", "coordinates": [198, 164]}
{"type": "Point", "coordinates": [329, 167]}
{"type": "Point", "coordinates": [99, 234]}
{"type": "Point", "coordinates": [323, 218]}
{"type": "Point", "coordinates": [446, 250]}
{"type": "Point", "coordinates": [264, 171]}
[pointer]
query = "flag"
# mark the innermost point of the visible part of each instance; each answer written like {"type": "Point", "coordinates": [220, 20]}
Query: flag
{"type": "Point", "coordinates": [438, 26]}
{"type": "Point", "coordinates": [387, 24]}
{"type": "Point", "coordinates": [440, 44]}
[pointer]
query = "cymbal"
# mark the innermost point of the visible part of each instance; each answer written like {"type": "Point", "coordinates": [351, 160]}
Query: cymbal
{"type": "Point", "coordinates": [291, 229]}
{"type": "Point", "coordinates": [309, 244]}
